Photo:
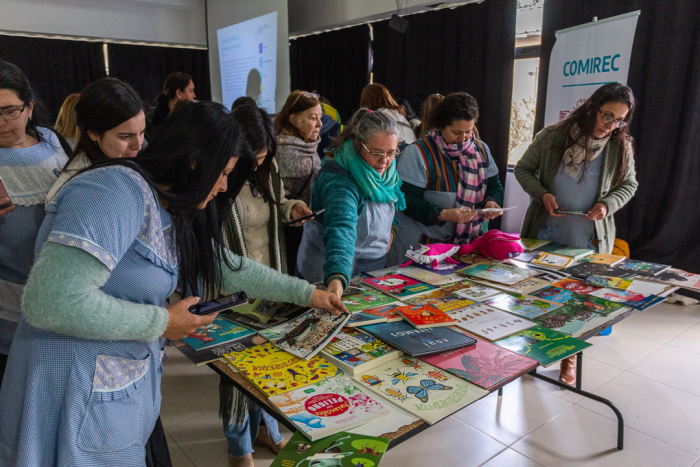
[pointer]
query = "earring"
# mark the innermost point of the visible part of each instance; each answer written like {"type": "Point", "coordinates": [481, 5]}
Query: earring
{"type": "Point", "coordinates": [95, 141]}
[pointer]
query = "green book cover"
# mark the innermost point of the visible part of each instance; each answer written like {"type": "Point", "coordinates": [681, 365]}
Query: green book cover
{"type": "Point", "coordinates": [366, 300]}
{"type": "Point", "coordinates": [594, 304]}
{"type": "Point", "coordinates": [544, 345]}
{"type": "Point", "coordinates": [339, 450]}
{"type": "Point", "coordinates": [567, 319]}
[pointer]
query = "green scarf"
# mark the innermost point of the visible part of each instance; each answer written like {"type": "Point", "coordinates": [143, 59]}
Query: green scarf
{"type": "Point", "coordinates": [384, 188]}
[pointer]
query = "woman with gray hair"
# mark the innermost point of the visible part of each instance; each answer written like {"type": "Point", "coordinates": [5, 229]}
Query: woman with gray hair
{"type": "Point", "coordinates": [360, 191]}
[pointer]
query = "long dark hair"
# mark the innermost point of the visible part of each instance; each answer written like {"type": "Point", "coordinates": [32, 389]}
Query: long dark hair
{"type": "Point", "coordinates": [12, 78]}
{"type": "Point", "coordinates": [182, 163]}
{"type": "Point", "coordinates": [175, 81]}
{"type": "Point", "coordinates": [103, 105]}
{"type": "Point", "coordinates": [586, 116]}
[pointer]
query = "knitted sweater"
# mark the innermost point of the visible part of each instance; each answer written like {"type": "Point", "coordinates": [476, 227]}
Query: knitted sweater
{"type": "Point", "coordinates": [537, 170]}
{"type": "Point", "coordinates": [298, 164]}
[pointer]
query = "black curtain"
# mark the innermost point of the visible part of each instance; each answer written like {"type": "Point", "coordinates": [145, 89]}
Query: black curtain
{"type": "Point", "coordinates": [335, 63]}
{"type": "Point", "coordinates": [470, 48]}
{"type": "Point", "coordinates": [661, 223]}
{"type": "Point", "coordinates": [145, 68]}
{"type": "Point", "coordinates": [55, 67]}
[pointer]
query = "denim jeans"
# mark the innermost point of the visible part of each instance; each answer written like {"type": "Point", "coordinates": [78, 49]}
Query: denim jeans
{"type": "Point", "coordinates": [241, 437]}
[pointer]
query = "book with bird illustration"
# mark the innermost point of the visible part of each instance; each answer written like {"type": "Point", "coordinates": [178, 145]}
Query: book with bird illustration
{"type": "Point", "coordinates": [339, 450]}
{"type": "Point", "coordinates": [544, 345]}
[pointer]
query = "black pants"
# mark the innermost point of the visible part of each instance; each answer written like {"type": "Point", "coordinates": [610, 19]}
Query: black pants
{"type": "Point", "coordinates": [157, 453]}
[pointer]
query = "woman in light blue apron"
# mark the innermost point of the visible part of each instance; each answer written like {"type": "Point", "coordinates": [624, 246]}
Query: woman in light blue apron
{"type": "Point", "coordinates": [360, 191]}
{"type": "Point", "coordinates": [83, 379]}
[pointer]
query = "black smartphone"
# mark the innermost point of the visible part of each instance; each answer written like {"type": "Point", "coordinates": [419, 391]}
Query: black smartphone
{"type": "Point", "coordinates": [303, 218]}
{"type": "Point", "coordinates": [3, 194]}
{"type": "Point", "coordinates": [220, 304]}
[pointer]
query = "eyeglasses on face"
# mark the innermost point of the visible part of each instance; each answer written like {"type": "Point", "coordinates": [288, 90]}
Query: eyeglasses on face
{"type": "Point", "coordinates": [12, 113]}
{"type": "Point", "coordinates": [380, 155]}
{"type": "Point", "coordinates": [309, 95]}
{"type": "Point", "coordinates": [609, 118]}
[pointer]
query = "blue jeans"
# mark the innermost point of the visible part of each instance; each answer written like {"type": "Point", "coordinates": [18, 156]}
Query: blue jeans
{"type": "Point", "coordinates": [240, 437]}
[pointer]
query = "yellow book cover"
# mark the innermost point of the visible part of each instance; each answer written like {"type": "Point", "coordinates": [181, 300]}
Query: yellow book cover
{"type": "Point", "coordinates": [601, 258]}
{"type": "Point", "coordinates": [274, 371]}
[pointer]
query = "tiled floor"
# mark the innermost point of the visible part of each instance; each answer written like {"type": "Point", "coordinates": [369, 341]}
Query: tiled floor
{"type": "Point", "coordinates": [649, 367]}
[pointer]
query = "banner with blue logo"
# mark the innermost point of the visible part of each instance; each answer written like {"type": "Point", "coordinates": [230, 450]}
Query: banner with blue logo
{"type": "Point", "coordinates": [584, 58]}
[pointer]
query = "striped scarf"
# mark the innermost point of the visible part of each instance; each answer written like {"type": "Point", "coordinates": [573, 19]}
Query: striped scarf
{"type": "Point", "coordinates": [472, 182]}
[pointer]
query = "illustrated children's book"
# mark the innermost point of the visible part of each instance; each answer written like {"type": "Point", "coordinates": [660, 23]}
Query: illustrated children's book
{"type": "Point", "coordinates": [595, 304]}
{"type": "Point", "coordinates": [532, 243]}
{"type": "Point", "coordinates": [530, 285]}
{"type": "Point", "coordinates": [488, 322]}
{"type": "Point", "coordinates": [398, 286]}
{"type": "Point", "coordinates": [567, 319]}
{"type": "Point", "coordinates": [420, 388]}
{"type": "Point", "coordinates": [338, 450]}
{"type": "Point", "coordinates": [607, 281]}
{"type": "Point", "coordinates": [471, 290]}
{"type": "Point", "coordinates": [306, 335]}
{"type": "Point", "coordinates": [565, 250]}
{"type": "Point", "coordinates": [250, 316]}
{"type": "Point", "coordinates": [484, 364]}
{"type": "Point", "coordinates": [498, 272]}
{"type": "Point", "coordinates": [523, 305]}
{"type": "Point", "coordinates": [274, 371]}
{"type": "Point", "coordinates": [425, 316]}
{"type": "Point", "coordinates": [423, 275]}
{"type": "Point", "coordinates": [575, 285]}
{"type": "Point", "coordinates": [627, 298]}
{"type": "Point", "coordinates": [417, 342]}
{"type": "Point", "coordinates": [553, 260]}
{"type": "Point", "coordinates": [644, 268]}
{"type": "Point", "coordinates": [554, 294]}
{"type": "Point", "coordinates": [353, 349]}
{"type": "Point", "coordinates": [679, 278]}
{"type": "Point", "coordinates": [360, 318]}
{"type": "Point", "coordinates": [544, 345]}
{"type": "Point", "coordinates": [647, 287]}
{"type": "Point", "coordinates": [210, 354]}
{"type": "Point", "coordinates": [366, 299]}
{"type": "Point", "coordinates": [583, 270]}
{"type": "Point", "coordinates": [440, 299]}
{"type": "Point", "coordinates": [601, 258]}
{"type": "Point", "coordinates": [329, 406]}
{"type": "Point", "coordinates": [219, 331]}
{"type": "Point", "coordinates": [527, 256]}
{"type": "Point", "coordinates": [443, 267]}
{"type": "Point", "coordinates": [387, 312]}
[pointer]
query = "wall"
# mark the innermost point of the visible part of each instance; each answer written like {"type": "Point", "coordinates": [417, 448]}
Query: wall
{"type": "Point", "coordinates": [163, 21]}
{"type": "Point", "coordinates": [223, 13]}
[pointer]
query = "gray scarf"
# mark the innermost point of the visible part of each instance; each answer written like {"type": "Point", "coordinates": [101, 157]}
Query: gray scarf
{"type": "Point", "coordinates": [574, 156]}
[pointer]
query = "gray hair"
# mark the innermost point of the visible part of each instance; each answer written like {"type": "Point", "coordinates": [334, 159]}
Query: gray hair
{"type": "Point", "coordinates": [366, 124]}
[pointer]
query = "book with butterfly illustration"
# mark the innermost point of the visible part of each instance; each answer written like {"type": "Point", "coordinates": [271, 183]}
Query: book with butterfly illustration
{"type": "Point", "coordinates": [440, 299]}
{"type": "Point", "coordinates": [523, 305]}
{"type": "Point", "coordinates": [354, 350]}
{"type": "Point", "coordinates": [339, 450]}
{"type": "Point", "coordinates": [425, 316]}
{"type": "Point", "coordinates": [532, 243]}
{"type": "Point", "coordinates": [329, 406]}
{"type": "Point", "coordinates": [219, 331]}
{"type": "Point", "coordinates": [484, 364]}
{"type": "Point", "coordinates": [211, 354]}
{"type": "Point", "coordinates": [611, 282]}
{"type": "Point", "coordinates": [420, 388]}
{"type": "Point", "coordinates": [387, 312]}
{"type": "Point", "coordinates": [575, 285]}
{"type": "Point", "coordinates": [488, 322]}
{"type": "Point", "coordinates": [553, 260]}
{"type": "Point", "coordinates": [644, 268]}
{"type": "Point", "coordinates": [366, 299]}
{"type": "Point", "coordinates": [417, 342]}
{"type": "Point", "coordinates": [471, 290]}
{"type": "Point", "coordinates": [544, 345]}
{"type": "Point", "coordinates": [274, 371]}
{"type": "Point", "coordinates": [602, 258]}
{"type": "Point", "coordinates": [398, 286]}
{"type": "Point", "coordinates": [567, 319]}
{"type": "Point", "coordinates": [498, 272]}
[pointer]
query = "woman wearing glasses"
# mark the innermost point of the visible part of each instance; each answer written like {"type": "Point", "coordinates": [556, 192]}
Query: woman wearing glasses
{"type": "Point", "coordinates": [359, 188]}
{"type": "Point", "coordinates": [31, 157]}
{"type": "Point", "coordinates": [446, 174]}
{"type": "Point", "coordinates": [583, 163]}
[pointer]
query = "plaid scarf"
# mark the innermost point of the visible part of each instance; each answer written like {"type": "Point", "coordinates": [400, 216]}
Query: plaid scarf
{"type": "Point", "coordinates": [472, 182]}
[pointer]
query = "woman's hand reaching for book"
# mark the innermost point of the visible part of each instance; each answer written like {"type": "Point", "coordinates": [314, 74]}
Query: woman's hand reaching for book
{"type": "Point", "coordinates": [329, 301]}
{"type": "Point", "coordinates": [550, 204]}
{"type": "Point", "coordinates": [182, 323]}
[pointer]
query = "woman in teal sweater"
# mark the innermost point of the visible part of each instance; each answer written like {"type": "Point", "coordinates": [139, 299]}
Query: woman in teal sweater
{"type": "Point", "coordinates": [360, 191]}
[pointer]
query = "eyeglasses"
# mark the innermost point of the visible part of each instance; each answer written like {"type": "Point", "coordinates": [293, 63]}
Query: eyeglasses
{"type": "Point", "coordinates": [10, 113]}
{"type": "Point", "coordinates": [609, 118]}
{"type": "Point", "coordinates": [309, 95]}
{"type": "Point", "coordinates": [380, 155]}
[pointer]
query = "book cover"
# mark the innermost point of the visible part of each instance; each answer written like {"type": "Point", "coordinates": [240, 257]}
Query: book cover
{"type": "Point", "coordinates": [388, 312]}
{"type": "Point", "coordinates": [440, 299]}
{"type": "Point", "coordinates": [420, 388]}
{"type": "Point", "coordinates": [277, 309]}
{"type": "Point", "coordinates": [328, 407]}
{"type": "Point", "coordinates": [595, 304]}
{"type": "Point", "coordinates": [385, 272]}
{"type": "Point", "coordinates": [274, 371]}
{"type": "Point", "coordinates": [471, 290]}
{"type": "Point", "coordinates": [417, 342]}
{"type": "Point", "coordinates": [607, 281]}
{"type": "Point", "coordinates": [531, 285]}
{"type": "Point", "coordinates": [360, 318]}
{"type": "Point", "coordinates": [555, 294]}
{"type": "Point", "coordinates": [544, 345]}
{"type": "Point", "coordinates": [210, 354]}
{"type": "Point", "coordinates": [583, 270]}
{"type": "Point", "coordinates": [645, 303]}
{"type": "Point", "coordinates": [425, 316]}
{"type": "Point", "coordinates": [527, 256]}
{"type": "Point", "coordinates": [601, 258]}
{"type": "Point", "coordinates": [248, 316]}
{"type": "Point", "coordinates": [616, 295]}
{"type": "Point", "coordinates": [352, 349]}
{"type": "Point", "coordinates": [365, 300]}
{"type": "Point", "coordinates": [523, 305]}
{"type": "Point", "coordinates": [484, 364]}
{"type": "Point", "coordinates": [423, 275]}
{"type": "Point", "coordinates": [488, 322]}
{"type": "Point", "coordinates": [553, 260]}
{"type": "Point", "coordinates": [306, 335]}
{"type": "Point", "coordinates": [473, 258]}
{"type": "Point", "coordinates": [338, 450]}
{"type": "Point", "coordinates": [567, 319]}
{"type": "Point", "coordinates": [566, 250]}
{"type": "Point", "coordinates": [532, 243]}
{"type": "Point", "coordinates": [679, 278]}
{"type": "Point", "coordinates": [442, 269]}
{"type": "Point", "coordinates": [646, 287]}
{"type": "Point", "coordinates": [644, 268]}
{"type": "Point", "coordinates": [499, 273]}
{"type": "Point", "coordinates": [553, 246]}
{"type": "Point", "coordinates": [219, 331]}
{"type": "Point", "coordinates": [398, 286]}
{"type": "Point", "coordinates": [552, 275]}
{"type": "Point", "coordinates": [575, 285]}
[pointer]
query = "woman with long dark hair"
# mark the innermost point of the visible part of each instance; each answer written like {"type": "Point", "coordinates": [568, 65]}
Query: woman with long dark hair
{"type": "Point", "coordinates": [178, 86]}
{"type": "Point", "coordinates": [583, 163]}
{"type": "Point", "coordinates": [120, 237]}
